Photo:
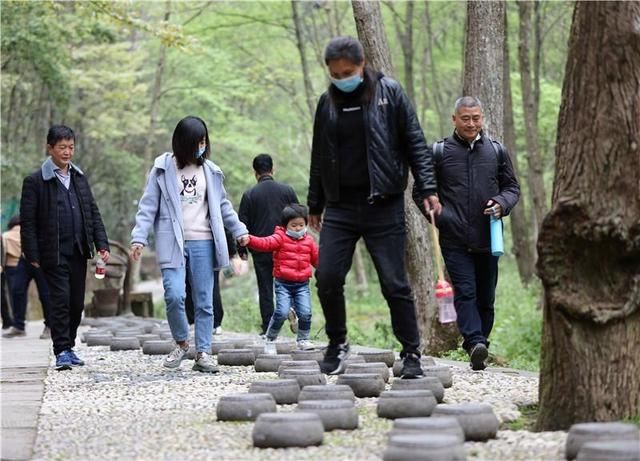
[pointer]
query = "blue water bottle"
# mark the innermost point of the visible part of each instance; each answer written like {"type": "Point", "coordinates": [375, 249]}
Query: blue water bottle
{"type": "Point", "coordinates": [497, 243]}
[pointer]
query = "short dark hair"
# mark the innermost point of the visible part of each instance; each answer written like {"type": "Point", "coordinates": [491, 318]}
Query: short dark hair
{"type": "Point", "coordinates": [59, 132]}
{"type": "Point", "coordinates": [262, 164]}
{"type": "Point", "coordinates": [293, 211]}
{"type": "Point", "coordinates": [186, 136]}
{"type": "Point", "coordinates": [14, 221]}
{"type": "Point", "coordinates": [344, 47]}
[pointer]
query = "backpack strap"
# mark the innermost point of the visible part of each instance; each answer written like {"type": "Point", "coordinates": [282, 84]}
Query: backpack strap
{"type": "Point", "coordinates": [438, 151]}
{"type": "Point", "coordinates": [498, 148]}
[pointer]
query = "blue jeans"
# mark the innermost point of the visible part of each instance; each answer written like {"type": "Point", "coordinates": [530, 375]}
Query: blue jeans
{"type": "Point", "coordinates": [18, 279]}
{"type": "Point", "coordinates": [474, 277]}
{"type": "Point", "coordinates": [198, 256]}
{"type": "Point", "coordinates": [288, 295]}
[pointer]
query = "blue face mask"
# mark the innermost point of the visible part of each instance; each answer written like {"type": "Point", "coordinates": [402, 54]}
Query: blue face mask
{"type": "Point", "coordinates": [201, 151]}
{"type": "Point", "coordinates": [349, 84]}
{"type": "Point", "coordinates": [297, 234]}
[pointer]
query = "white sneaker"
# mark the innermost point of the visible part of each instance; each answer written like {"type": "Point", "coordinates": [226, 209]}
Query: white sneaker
{"type": "Point", "coordinates": [305, 345]}
{"type": "Point", "coordinates": [270, 347]}
{"type": "Point", "coordinates": [175, 358]}
{"type": "Point", "coordinates": [217, 331]}
{"type": "Point", "coordinates": [205, 364]}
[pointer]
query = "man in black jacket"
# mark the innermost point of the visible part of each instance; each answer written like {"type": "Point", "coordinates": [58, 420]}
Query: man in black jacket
{"type": "Point", "coordinates": [260, 210]}
{"type": "Point", "coordinates": [365, 137]}
{"type": "Point", "coordinates": [61, 224]}
{"type": "Point", "coordinates": [475, 180]}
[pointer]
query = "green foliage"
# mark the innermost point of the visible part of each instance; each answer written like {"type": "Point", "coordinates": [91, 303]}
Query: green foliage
{"type": "Point", "coordinates": [527, 419]}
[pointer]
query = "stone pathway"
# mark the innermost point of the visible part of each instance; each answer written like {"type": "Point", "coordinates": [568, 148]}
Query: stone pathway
{"type": "Point", "coordinates": [125, 405]}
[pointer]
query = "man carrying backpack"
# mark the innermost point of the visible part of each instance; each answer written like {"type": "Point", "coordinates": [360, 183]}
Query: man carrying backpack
{"type": "Point", "coordinates": [475, 181]}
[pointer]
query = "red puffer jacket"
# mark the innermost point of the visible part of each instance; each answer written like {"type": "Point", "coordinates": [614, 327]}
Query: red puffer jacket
{"type": "Point", "coordinates": [292, 259]}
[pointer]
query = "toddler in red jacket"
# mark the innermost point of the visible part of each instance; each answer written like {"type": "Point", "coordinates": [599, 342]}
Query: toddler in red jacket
{"type": "Point", "coordinates": [294, 252]}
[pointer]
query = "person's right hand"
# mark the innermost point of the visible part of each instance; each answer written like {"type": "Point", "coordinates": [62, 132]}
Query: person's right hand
{"type": "Point", "coordinates": [135, 252]}
{"type": "Point", "coordinates": [315, 222]}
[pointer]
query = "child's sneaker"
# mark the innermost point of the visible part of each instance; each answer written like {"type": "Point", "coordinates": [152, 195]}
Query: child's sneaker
{"type": "Point", "coordinates": [293, 321]}
{"type": "Point", "coordinates": [305, 345]}
{"type": "Point", "coordinates": [270, 347]}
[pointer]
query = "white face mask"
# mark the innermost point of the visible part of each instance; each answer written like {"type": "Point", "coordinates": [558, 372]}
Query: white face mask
{"type": "Point", "coordinates": [297, 234]}
{"type": "Point", "coordinates": [201, 151]}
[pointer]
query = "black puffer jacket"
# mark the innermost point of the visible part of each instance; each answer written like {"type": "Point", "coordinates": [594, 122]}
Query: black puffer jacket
{"type": "Point", "coordinates": [394, 142]}
{"type": "Point", "coordinates": [39, 217]}
{"type": "Point", "coordinates": [467, 179]}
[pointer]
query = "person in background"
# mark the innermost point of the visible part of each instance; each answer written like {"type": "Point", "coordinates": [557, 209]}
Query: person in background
{"type": "Point", "coordinates": [186, 205]}
{"type": "Point", "coordinates": [260, 209]}
{"type": "Point", "coordinates": [366, 135]}
{"type": "Point", "coordinates": [294, 252]}
{"type": "Point", "coordinates": [19, 274]}
{"type": "Point", "coordinates": [60, 225]}
{"type": "Point", "coordinates": [468, 200]}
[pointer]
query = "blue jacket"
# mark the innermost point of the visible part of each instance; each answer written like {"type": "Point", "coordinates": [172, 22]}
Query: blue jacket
{"type": "Point", "coordinates": [160, 207]}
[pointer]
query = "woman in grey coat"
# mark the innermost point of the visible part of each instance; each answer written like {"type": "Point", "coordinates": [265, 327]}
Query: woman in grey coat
{"type": "Point", "coordinates": [186, 205]}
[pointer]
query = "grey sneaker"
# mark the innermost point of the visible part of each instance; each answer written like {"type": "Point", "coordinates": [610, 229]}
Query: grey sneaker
{"type": "Point", "coordinates": [175, 358]}
{"type": "Point", "coordinates": [46, 333]}
{"type": "Point", "coordinates": [305, 345]}
{"type": "Point", "coordinates": [205, 364]}
{"type": "Point", "coordinates": [293, 321]}
{"type": "Point", "coordinates": [13, 332]}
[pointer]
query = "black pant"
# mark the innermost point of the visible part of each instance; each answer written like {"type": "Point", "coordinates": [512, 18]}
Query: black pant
{"type": "Point", "coordinates": [218, 311]}
{"type": "Point", "coordinates": [66, 291]}
{"type": "Point", "coordinates": [474, 277]}
{"type": "Point", "coordinates": [382, 226]}
{"type": "Point", "coordinates": [18, 279]}
{"type": "Point", "coordinates": [263, 265]}
{"type": "Point", "coordinates": [5, 307]}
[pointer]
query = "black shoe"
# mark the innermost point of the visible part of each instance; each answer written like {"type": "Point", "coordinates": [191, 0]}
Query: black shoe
{"type": "Point", "coordinates": [477, 356]}
{"type": "Point", "coordinates": [411, 367]}
{"type": "Point", "coordinates": [334, 357]}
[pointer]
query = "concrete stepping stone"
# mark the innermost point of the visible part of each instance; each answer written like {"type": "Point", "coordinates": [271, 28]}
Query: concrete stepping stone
{"type": "Point", "coordinates": [304, 376]}
{"type": "Point", "coordinates": [478, 420]}
{"type": "Point", "coordinates": [270, 363]}
{"type": "Point", "coordinates": [610, 450]}
{"type": "Point", "coordinates": [388, 357]}
{"type": "Point", "coordinates": [281, 430]}
{"type": "Point", "coordinates": [129, 332]}
{"type": "Point", "coordinates": [244, 407]}
{"type": "Point", "coordinates": [425, 360]}
{"type": "Point", "coordinates": [147, 337]}
{"type": "Point", "coordinates": [290, 364]}
{"type": "Point", "coordinates": [166, 335]}
{"type": "Point", "coordinates": [285, 347]}
{"type": "Point", "coordinates": [160, 347]}
{"type": "Point", "coordinates": [242, 343]}
{"type": "Point", "coordinates": [335, 414]}
{"type": "Point", "coordinates": [316, 355]}
{"type": "Point", "coordinates": [581, 433]}
{"type": "Point", "coordinates": [354, 359]}
{"type": "Point", "coordinates": [430, 383]}
{"type": "Point", "coordinates": [326, 392]}
{"type": "Point", "coordinates": [124, 343]}
{"type": "Point", "coordinates": [84, 336]}
{"type": "Point", "coordinates": [236, 357]}
{"type": "Point", "coordinates": [363, 385]}
{"type": "Point", "coordinates": [380, 368]}
{"type": "Point", "coordinates": [217, 346]}
{"type": "Point", "coordinates": [444, 425]}
{"type": "Point", "coordinates": [442, 372]}
{"type": "Point", "coordinates": [283, 391]}
{"type": "Point", "coordinates": [423, 447]}
{"type": "Point", "coordinates": [99, 340]}
{"type": "Point", "coordinates": [406, 404]}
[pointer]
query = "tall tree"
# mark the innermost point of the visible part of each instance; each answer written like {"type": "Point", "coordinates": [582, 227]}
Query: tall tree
{"type": "Point", "coordinates": [404, 31]}
{"type": "Point", "coordinates": [523, 246]}
{"type": "Point", "coordinates": [484, 60]}
{"type": "Point", "coordinates": [308, 87]}
{"type": "Point", "coordinates": [530, 110]}
{"type": "Point", "coordinates": [435, 336]}
{"type": "Point", "coordinates": [589, 244]}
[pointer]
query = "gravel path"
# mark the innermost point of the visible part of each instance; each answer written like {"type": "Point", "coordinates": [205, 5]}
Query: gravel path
{"type": "Point", "coordinates": [124, 405]}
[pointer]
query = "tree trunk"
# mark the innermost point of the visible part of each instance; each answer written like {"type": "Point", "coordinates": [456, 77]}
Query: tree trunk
{"type": "Point", "coordinates": [589, 245]}
{"type": "Point", "coordinates": [484, 60]}
{"type": "Point", "coordinates": [523, 247]}
{"type": "Point", "coordinates": [534, 158]}
{"type": "Point", "coordinates": [435, 337]}
{"type": "Point", "coordinates": [308, 87]}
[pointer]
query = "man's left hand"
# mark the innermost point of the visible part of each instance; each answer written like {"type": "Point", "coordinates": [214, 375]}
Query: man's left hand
{"type": "Point", "coordinates": [432, 202]}
{"type": "Point", "coordinates": [493, 208]}
{"type": "Point", "coordinates": [104, 254]}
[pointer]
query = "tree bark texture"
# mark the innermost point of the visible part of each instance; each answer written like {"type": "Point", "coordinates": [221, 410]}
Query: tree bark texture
{"type": "Point", "coordinates": [435, 337]}
{"type": "Point", "coordinates": [484, 59]}
{"type": "Point", "coordinates": [523, 246]}
{"type": "Point", "coordinates": [529, 108]}
{"type": "Point", "coordinates": [589, 244]}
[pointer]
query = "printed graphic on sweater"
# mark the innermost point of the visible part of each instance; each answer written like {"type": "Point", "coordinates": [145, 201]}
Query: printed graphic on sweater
{"type": "Point", "coordinates": [189, 194]}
